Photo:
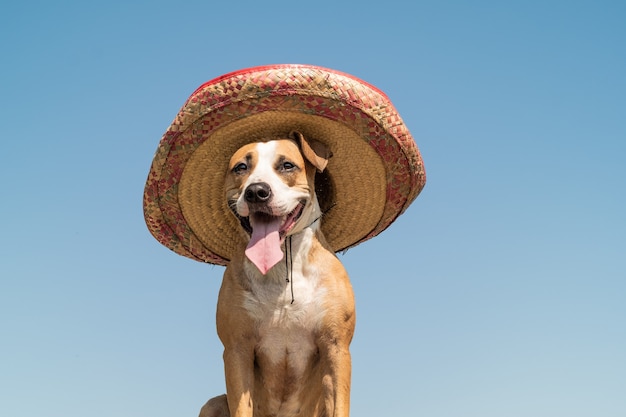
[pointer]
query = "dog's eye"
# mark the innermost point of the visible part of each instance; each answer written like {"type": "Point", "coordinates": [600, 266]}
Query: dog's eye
{"type": "Point", "coordinates": [240, 168]}
{"type": "Point", "coordinates": [287, 166]}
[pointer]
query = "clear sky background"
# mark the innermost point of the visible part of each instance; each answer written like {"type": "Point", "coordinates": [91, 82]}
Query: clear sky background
{"type": "Point", "coordinates": [500, 292]}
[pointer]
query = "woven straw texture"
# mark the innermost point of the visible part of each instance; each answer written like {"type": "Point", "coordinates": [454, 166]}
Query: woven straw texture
{"type": "Point", "coordinates": [375, 173]}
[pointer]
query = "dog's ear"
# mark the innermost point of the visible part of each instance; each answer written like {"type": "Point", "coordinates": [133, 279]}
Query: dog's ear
{"type": "Point", "coordinates": [315, 152]}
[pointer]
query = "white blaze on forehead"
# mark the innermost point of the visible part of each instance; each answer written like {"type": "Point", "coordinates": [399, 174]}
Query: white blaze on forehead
{"type": "Point", "coordinates": [264, 169]}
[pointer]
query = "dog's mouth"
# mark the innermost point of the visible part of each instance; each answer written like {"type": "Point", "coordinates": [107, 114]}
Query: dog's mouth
{"type": "Point", "coordinates": [267, 232]}
{"type": "Point", "coordinates": [263, 219]}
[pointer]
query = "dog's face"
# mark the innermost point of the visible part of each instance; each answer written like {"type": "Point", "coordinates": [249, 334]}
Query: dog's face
{"type": "Point", "coordinates": [270, 188]}
{"type": "Point", "coordinates": [268, 181]}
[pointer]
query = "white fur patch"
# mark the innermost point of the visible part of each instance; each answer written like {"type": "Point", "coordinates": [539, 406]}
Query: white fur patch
{"type": "Point", "coordinates": [285, 327]}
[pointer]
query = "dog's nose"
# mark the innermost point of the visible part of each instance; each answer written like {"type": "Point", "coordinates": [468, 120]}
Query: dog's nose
{"type": "Point", "coordinates": [259, 192]}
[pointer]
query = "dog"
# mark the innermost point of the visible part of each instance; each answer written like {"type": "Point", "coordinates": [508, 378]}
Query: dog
{"type": "Point", "coordinates": [285, 311]}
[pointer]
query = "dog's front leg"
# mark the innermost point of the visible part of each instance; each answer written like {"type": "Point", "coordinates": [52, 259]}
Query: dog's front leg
{"type": "Point", "coordinates": [236, 331]}
{"type": "Point", "coordinates": [239, 372]}
{"type": "Point", "coordinates": [336, 380]}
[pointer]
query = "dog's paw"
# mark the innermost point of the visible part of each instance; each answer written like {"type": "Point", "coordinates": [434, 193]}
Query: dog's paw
{"type": "Point", "coordinates": [215, 407]}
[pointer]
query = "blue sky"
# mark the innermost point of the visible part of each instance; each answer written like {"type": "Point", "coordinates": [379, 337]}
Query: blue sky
{"type": "Point", "coordinates": [500, 292]}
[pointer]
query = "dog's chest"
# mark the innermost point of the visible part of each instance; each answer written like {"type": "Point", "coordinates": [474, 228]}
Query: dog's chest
{"type": "Point", "coordinates": [286, 329]}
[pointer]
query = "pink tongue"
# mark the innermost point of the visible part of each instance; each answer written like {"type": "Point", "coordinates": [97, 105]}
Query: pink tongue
{"type": "Point", "coordinates": [264, 246]}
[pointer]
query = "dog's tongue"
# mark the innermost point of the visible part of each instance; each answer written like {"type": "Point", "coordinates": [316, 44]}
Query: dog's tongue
{"type": "Point", "coordinates": [264, 246]}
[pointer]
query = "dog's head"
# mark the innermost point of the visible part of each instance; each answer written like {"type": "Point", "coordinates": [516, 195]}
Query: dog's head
{"type": "Point", "coordinates": [270, 188]}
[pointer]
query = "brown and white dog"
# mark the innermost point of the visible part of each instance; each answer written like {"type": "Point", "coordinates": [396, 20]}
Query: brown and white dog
{"type": "Point", "coordinates": [285, 312]}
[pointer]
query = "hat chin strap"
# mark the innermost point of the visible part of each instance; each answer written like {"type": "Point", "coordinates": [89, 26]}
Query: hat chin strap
{"type": "Point", "coordinates": [288, 252]}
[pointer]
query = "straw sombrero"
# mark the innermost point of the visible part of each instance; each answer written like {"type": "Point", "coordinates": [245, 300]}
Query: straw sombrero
{"type": "Point", "coordinates": [375, 172]}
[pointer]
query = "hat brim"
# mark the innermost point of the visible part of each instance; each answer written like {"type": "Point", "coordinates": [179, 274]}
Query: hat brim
{"type": "Point", "coordinates": [375, 173]}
